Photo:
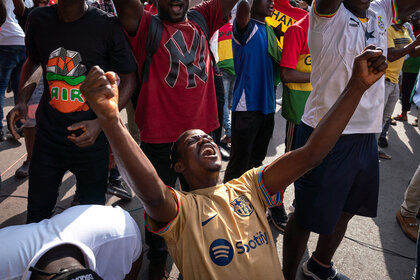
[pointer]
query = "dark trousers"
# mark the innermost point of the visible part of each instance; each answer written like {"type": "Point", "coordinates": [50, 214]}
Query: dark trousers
{"type": "Point", "coordinates": [289, 141]}
{"type": "Point", "coordinates": [251, 134]}
{"type": "Point", "coordinates": [158, 154]}
{"type": "Point", "coordinates": [408, 81]}
{"type": "Point", "coordinates": [220, 99]}
{"type": "Point", "coordinates": [46, 172]}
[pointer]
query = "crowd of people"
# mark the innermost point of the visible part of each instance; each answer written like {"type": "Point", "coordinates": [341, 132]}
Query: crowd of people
{"type": "Point", "coordinates": [198, 82]}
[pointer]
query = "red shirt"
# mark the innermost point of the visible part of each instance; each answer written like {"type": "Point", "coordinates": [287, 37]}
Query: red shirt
{"type": "Point", "coordinates": [180, 92]}
{"type": "Point", "coordinates": [295, 43]}
{"type": "Point", "coordinates": [151, 8]}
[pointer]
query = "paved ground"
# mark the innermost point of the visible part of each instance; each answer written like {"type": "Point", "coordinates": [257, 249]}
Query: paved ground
{"type": "Point", "coordinates": [362, 259]}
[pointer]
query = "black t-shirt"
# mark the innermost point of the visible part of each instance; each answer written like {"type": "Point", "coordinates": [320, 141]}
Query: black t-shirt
{"type": "Point", "coordinates": [67, 51]}
{"type": "Point", "coordinates": [22, 20]}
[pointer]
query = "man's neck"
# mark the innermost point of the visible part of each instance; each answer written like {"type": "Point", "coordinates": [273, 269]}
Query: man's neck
{"type": "Point", "coordinates": [357, 13]}
{"type": "Point", "coordinates": [203, 182]}
{"type": "Point", "coordinates": [260, 18]}
{"type": "Point", "coordinates": [71, 10]}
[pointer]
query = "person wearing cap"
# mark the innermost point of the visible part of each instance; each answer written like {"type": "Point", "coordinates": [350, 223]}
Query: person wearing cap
{"type": "Point", "coordinates": [215, 230]}
{"type": "Point", "coordinates": [100, 241]}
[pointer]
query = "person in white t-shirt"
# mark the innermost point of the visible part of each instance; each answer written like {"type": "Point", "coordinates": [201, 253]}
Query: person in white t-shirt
{"type": "Point", "coordinates": [347, 181]}
{"type": "Point", "coordinates": [12, 57]}
{"type": "Point", "coordinates": [90, 239]}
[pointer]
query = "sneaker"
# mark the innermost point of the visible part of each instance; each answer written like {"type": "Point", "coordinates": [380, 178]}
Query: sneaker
{"type": "Point", "coordinates": [75, 201]}
{"type": "Point", "coordinates": [226, 140]}
{"type": "Point", "coordinates": [279, 217]}
{"type": "Point", "coordinates": [2, 136]}
{"type": "Point", "coordinates": [409, 226]}
{"type": "Point", "coordinates": [382, 142]}
{"type": "Point", "coordinates": [317, 272]}
{"type": "Point", "coordinates": [120, 189]}
{"type": "Point", "coordinates": [224, 153]}
{"type": "Point", "coordinates": [383, 155]}
{"type": "Point", "coordinates": [226, 143]}
{"type": "Point", "coordinates": [23, 171]}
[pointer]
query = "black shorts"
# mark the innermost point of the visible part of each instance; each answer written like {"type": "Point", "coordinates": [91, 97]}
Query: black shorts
{"type": "Point", "coordinates": [347, 180]}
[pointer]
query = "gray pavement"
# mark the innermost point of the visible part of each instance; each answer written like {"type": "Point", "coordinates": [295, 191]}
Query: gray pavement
{"type": "Point", "coordinates": [363, 258]}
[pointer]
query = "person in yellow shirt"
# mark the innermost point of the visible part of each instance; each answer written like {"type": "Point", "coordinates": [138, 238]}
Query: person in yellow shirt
{"type": "Point", "coordinates": [215, 230]}
{"type": "Point", "coordinates": [399, 44]}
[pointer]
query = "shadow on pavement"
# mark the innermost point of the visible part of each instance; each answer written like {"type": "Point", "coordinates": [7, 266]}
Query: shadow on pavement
{"type": "Point", "coordinates": [393, 183]}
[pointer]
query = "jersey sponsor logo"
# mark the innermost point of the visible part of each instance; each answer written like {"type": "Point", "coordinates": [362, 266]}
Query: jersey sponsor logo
{"type": "Point", "coordinates": [192, 59]}
{"type": "Point", "coordinates": [65, 74]}
{"type": "Point", "coordinates": [259, 239]}
{"type": "Point", "coordinates": [221, 252]}
{"type": "Point", "coordinates": [208, 220]}
{"type": "Point", "coordinates": [242, 206]}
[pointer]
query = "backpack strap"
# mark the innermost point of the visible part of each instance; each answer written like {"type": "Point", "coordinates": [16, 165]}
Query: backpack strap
{"type": "Point", "coordinates": [152, 44]}
{"type": "Point", "coordinates": [198, 18]}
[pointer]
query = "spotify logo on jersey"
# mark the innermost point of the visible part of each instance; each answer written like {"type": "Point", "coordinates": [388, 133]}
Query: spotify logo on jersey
{"type": "Point", "coordinates": [221, 252]}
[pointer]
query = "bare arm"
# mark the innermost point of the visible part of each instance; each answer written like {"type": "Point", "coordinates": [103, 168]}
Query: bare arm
{"type": "Point", "coordinates": [101, 92]}
{"type": "Point", "coordinates": [129, 14]}
{"type": "Point", "coordinates": [227, 6]}
{"type": "Point", "coordinates": [407, 7]}
{"type": "Point", "coordinates": [415, 52]}
{"type": "Point", "coordinates": [3, 12]}
{"type": "Point", "coordinates": [19, 8]}
{"type": "Point", "coordinates": [368, 68]}
{"type": "Point", "coordinates": [29, 79]}
{"type": "Point", "coordinates": [243, 15]}
{"type": "Point", "coordinates": [91, 128]}
{"type": "Point", "coordinates": [126, 88]}
{"type": "Point", "coordinates": [395, 54]}
{"type": "Point", "coordinates": [289, 75]}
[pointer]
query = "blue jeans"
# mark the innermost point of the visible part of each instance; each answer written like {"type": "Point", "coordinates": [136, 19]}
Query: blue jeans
{"type": "Point", "coordinates": [228, 84]}
{"type": "Point", "coordinates": [11, 62]}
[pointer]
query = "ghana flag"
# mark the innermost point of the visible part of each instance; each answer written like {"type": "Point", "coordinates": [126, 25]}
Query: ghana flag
{"type": "Point", "coordinates": [284, 15]}
{"type": "Point", "coordinates": [296, 56]}
{"type": "Point", "coordinates": [225, 48]}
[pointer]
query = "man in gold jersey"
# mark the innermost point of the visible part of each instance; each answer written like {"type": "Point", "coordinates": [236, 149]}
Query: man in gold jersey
{"type": "Point", "coordinates": [215, 230]}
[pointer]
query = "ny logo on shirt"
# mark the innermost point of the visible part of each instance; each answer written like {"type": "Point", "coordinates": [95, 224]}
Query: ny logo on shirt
{"type": "Point", "coordinates": [194, 64]}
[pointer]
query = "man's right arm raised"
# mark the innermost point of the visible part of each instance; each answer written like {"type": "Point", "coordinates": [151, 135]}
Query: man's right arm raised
{"type": "Point", "coordinates": [101, 92]}
{"type": "Point", "coordinates": [129, 14]}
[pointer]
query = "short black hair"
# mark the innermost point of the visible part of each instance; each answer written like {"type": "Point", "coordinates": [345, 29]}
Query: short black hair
{"type": "Point", "coordinates": [174, 158]}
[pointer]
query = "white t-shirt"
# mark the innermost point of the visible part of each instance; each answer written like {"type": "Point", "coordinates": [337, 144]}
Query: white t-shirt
{"type": "Point", "coordinates": [108, 237]}
{"type": "Point", "coordinates": [334, 41]}
{"type": "Point", "coordinates": [11, 33]}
